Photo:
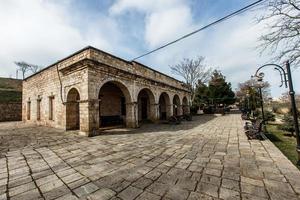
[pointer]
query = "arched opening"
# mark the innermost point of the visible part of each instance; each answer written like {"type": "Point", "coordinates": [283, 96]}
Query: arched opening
{"type": "Point", "coordinates": [113, 97]}
{"type": "Point", "coordinates": [176, 105]}
{"type": "Point", "coordinates": [146, 109]}
{"type": "Point", "coordinates": [164, 106]}
{"type": "Point", "coordinates": [72, 110]}
{"type": "Point", "coordinates": [185, 106]}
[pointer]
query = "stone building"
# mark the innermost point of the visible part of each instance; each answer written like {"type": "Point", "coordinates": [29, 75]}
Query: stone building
{"type": "Point", "coordinates": [92, 89]}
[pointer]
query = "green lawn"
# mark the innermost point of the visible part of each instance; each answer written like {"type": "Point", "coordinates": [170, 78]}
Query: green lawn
{"type": "Point", "coordinates": [284, 142]}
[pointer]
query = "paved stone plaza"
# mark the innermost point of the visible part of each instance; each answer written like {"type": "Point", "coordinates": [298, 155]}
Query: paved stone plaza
{"type": "Point", "coordinates": [208, 158]}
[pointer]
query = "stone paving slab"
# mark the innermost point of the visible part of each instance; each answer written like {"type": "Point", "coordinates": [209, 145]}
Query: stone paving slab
{"type": "Point", "coordinates": [208, 158]}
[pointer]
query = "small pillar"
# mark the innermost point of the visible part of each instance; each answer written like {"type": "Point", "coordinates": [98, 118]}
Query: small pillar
{"type": "Point", "coordinates": [185, 109]}
{"type": "Point", "coordinates": [154, 112]}
{"type": "Point", "coordinates": [132, 115]}
{"type": "Point", "coordinates": [84, 118]}
{"type": "Point", "coordinates": [179, 110]}
{"type": "Point", "coordinates": [89, 117]}
{"type": "Point", "coordinates": [169, 110]}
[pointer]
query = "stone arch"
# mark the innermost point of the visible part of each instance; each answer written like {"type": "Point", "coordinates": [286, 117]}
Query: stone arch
{"type": "Point", "coordinates": [119, 83]}
{"type": "Point", "coordinates": [164, 106]}
{"type": "Point", "coordinates": [185, 105]}
{"type": "Point", "coordinates": [146, 105]}
{"type": "Point", "coordinates": [113, 97]}
{"type": "Point", "coordinates": [72, 110]}
{"type": "Point", "coordinates": [176, 105]}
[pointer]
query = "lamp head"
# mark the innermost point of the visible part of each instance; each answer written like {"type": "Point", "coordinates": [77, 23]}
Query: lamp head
{"type": "Point", "coordinates": [260, 76]}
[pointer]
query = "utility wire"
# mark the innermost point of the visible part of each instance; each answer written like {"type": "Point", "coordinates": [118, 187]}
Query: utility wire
{"type": "Point", "coordinates": [244, 9]}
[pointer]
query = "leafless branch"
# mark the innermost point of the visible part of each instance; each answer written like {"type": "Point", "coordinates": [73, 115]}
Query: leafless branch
{"type": "Point", "coordinates": [283, 24]}
{"type": "Point", "coordinates": [192, 71]}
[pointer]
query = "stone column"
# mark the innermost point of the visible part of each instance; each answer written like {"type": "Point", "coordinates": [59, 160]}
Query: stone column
{"type": "Point", "coordinates": [188, 109]}
{"type": "Point", "coordinates": [84, 118]}
{"type": "Point", "coordinates": [169, 109]}
{"type": "Point", "coordinates": [89, 117]}
{"type": "Point", "coordinates": [94, 114]}
{"type": "Point", "coordinates": [185, 109]}
{"type": "Point", "coordinates": [132, 115]}
{"type": "Point", "coordinates": [179, 110]}
{"type": "Point", "coordinates": [154, 112]}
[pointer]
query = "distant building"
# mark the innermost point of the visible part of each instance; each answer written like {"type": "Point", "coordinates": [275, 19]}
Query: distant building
{"type": "Point", "coordinates": [92, 89]}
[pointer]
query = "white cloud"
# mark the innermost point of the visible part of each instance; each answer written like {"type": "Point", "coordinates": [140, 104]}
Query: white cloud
{"type": "Point", "coordinates": [122, 6]}
{"type": "Point", "coordinates": [164, 19]}
{"type": "Point", "coordinates": [41, 32]}
{"type": "Point", "coordinates": [164, 26]}
{"type": "Point", "coordinates": [229, 47]}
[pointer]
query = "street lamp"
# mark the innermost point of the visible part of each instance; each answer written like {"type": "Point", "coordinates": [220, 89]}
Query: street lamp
{"type": "Point", "coordinates": [258, 83]}
{"type": "Point", "coordinates": [286, 78]}
{"type": "Point", "coordinates": [248, 102]}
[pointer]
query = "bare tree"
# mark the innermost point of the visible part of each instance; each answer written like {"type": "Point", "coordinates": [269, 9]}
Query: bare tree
{"type": "Point", "coordinates": [34, 68]}
{"type": "Point", "coordinates": [282, 38]}
{"type": "Point", "coordinates": [245, 87]}
{"type": "Point", "coordinates": [192, 71]}
{"type": "Point", "coordinates": [25, 67]}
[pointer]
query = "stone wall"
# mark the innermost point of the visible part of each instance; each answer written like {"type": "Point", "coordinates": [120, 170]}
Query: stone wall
{"type": "Point", "coordinates": [88, 71]}
{"type": "Point", "coordinates": [10, 112]}
{"type": "Point", "coordinates": [45, 85]}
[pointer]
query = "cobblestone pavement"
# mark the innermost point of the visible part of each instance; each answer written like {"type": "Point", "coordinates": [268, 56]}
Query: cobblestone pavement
{"type": "Point", "coordinates": [208, 158]}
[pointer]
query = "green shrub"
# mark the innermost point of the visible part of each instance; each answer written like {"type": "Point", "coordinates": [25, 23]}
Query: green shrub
{"type": "Point", "coordinates": [194, 109]}
{"type": "Point", "coordinates": [269, 116]}
{"type": "Point", "coordinates": [288, 124]}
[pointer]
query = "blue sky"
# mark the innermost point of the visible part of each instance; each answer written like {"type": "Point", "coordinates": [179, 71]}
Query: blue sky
{"type": "Point", "coordinates": [44, 31]}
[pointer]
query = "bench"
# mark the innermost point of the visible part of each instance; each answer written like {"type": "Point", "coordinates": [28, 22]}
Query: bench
{"type": "Point", "coordinates": [253, 129]}
{"type": "Point", "coordinates": [174, 120]}
{"type": "Point", "coordinates": [177, 119]}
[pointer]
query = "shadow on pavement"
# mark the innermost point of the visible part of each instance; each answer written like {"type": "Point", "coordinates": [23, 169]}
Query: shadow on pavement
{"type": "Point", "coordinates": [160, 127]}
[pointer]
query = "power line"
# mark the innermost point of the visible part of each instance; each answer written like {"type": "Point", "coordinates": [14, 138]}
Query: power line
{"type": "Point", "coordinates": [244, 9]}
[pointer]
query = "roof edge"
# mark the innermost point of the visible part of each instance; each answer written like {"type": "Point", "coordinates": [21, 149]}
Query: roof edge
{"type": "Point", "coordinates": [61, 60]}
{"type": "Point", "coordinates": [96, 49]}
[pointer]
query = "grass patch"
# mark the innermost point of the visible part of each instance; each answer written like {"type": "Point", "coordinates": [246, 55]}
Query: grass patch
{"type": "Point", "coordinates": [284, 142]}
{"type": "Point", "coordinates": [12, 84]}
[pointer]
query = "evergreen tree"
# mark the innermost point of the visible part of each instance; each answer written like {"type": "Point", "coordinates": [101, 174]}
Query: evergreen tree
{"type": "Point", "coordinates": [220, 91]}
{"type": "Point", "coordinates": [201, 94]}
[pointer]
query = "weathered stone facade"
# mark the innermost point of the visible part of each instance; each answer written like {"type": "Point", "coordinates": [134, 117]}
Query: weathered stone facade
{"type": "Point", "coordinates": [11, 111]}
{"type": "Point", "coordinates": [92, 89]}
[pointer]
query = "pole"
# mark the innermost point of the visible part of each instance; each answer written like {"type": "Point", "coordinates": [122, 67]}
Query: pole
{"type": "Point", "coordinates": [294, 108]}
{"type": "Point", "coordinates": [262, 105]}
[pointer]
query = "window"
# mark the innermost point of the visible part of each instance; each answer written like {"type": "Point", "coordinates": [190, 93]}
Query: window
{"type": "Point", "coordinates": [28, 110]}
{"type": "Point", "coordinates": [123, 106]}
{"type": "Point", "coordinates": [38, 109]}
{"type": "Point", "coordinates": [51, 108]}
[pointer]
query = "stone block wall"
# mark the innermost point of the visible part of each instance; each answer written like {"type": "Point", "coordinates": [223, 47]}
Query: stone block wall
{"type": "Point", "coordinates": [46, 85]}
{"type": "Point", "coordinates": [42, 87]}
{"type": "Point", "coordinates": [87, 71]}
{"type": "Point", "coordinates": [10, 112]}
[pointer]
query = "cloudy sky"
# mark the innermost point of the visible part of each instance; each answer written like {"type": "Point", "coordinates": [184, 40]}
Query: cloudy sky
{"type": "Point", "coordinates": [44, 31]}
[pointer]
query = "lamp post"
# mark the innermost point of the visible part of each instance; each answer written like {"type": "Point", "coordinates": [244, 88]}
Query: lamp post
{"type": "Point", "coordinates": [258, 83]}
{"type": "Point", "coordinates": [286, 79]}
{"type": "Point", "coordinates": [262, 105]}
{"type": "Point", "coordinates": [248, 102]}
